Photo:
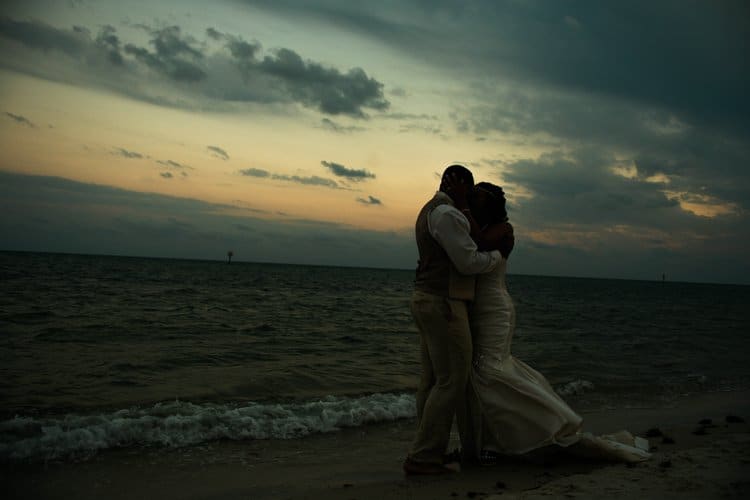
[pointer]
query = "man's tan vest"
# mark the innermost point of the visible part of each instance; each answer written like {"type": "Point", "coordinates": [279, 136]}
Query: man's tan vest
{"type": "Point", "coordinates": [436, 274]}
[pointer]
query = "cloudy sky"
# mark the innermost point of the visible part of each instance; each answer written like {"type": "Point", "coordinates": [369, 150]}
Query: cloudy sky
{"type": "Point", "coordinates": [312, 131]}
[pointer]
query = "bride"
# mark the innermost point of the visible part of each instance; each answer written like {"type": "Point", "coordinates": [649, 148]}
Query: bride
{"type": "Point", "coordinates": [518, 410]}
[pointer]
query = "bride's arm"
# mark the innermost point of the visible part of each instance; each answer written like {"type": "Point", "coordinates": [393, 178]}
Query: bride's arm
{"type": "Point", "coordinates": [498, 237]}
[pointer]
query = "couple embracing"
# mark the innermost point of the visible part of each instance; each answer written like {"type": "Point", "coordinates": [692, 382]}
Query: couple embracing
{"type": "Point", "coordinates": [466, 319]}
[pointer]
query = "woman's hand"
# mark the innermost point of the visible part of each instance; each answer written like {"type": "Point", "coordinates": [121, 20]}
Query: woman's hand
{"type": "Point", "coordinates": [507, 240]}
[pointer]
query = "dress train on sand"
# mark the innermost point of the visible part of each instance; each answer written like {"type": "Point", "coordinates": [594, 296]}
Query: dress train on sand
{"type": "Point", "coordinates": [518, 410]}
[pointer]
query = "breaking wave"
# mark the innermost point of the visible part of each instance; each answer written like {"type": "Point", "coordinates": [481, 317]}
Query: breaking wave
{"type": "Point", "coordinates": [178, 423]}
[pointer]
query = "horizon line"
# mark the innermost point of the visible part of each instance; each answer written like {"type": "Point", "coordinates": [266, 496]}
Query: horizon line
{"type": "Point", "coordinates": [342, 266]}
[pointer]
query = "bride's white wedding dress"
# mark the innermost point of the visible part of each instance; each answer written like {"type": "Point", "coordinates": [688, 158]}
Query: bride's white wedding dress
{"type": "Point", "coordinates": [520, 411]}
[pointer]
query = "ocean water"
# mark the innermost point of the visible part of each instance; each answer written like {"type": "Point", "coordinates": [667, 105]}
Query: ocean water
{"type": "Point", "coordinates": [98, 352]}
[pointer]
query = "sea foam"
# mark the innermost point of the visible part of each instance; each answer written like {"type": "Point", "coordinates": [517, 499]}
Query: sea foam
{"type": "Point", "coordinates": [178, 423]}
{"type": "Point", "coordinates": [574, 388]}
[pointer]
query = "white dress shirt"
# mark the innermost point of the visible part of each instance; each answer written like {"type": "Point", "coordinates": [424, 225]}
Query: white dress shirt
{"type": "Point", "coordinates": [451, 229]}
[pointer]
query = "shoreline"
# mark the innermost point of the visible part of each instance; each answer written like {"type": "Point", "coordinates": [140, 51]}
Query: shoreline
{"type": "Point", "coordinates": [705, 461]}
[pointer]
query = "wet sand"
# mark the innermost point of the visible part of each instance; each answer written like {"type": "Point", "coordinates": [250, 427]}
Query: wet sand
{"type": "Point", "coordinates": [690, 460]}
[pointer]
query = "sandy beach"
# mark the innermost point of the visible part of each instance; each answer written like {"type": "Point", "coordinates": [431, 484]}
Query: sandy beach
{"type": "Point", "coordinates": [692, 458]}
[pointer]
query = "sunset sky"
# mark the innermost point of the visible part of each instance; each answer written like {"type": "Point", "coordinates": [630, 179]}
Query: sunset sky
{"type": "Point", "coordinates": [313, 131]}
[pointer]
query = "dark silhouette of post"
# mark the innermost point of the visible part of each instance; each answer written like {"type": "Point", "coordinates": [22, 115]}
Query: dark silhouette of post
{"type": "Point", "coordinates": [229, 256]}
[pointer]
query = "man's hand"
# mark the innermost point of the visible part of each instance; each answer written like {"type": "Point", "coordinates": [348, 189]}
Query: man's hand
{"type": "Point", "coordinates": [457, 189]}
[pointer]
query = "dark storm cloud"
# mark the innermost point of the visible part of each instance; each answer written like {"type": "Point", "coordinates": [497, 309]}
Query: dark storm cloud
{"type": "Point", "coordinates": [327, 89]}
{"type": "Point", "coordinates": [173, 164]}
{"type": "Point", "coordinates": [255, 172]}
{"type": "Point", "coordinates": [408, 116]}
{"type": "Point", "coordinates": [20, 119]}
{"type": "Point", "coordinates": [133, 155]}
{"type": "Point", "coordinates": [110, 42]}
{"type": "Point", "coordinates": [351, 174]}
{"type": "Point", "coordinates": [174, 54]}
{"type": "Point", "coordinates": [58, 215]}
{"type": "Point", "coordinates": [570, 118]}
{"type": "Point", "coordinates": [170, 43]}
{"type": "Point", "coordinates": [218, 152]}
{"type": "Point", "coordinates": [416, 122]}
{"type": "Point", "coordinates": [370, 200]}
{"type": "Point", "coordinates": [56, 190]}
{"type": "Point", "coordinates": [76, 42]}
{"type": "Point", "coordinates": [693, 156]}
{"type": "Point", "coordinates": [40, 35]}
{"type": "Point", "coordinates": [658, 83]}
{"type": "Point", "coordinates": [307, 82]}
{"type": "Point", "coordinates": [690, 59]}
{"type": "Point", "coordinates": [331, 125]}
{"type": "Point", "coordinates": [583, 219]}
{"type": "Point", "coordinates": [239, 48]}
{"type": "Point", "coordinates": [581, 188]}
{"type": "Point", "coordinates": [309, 181]}
{"type": "Point", "coordinates": [179, 70]}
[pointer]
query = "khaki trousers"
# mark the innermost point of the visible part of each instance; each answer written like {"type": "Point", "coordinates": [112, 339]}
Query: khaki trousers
{"type": "Point", "coordinates": [446, 362]}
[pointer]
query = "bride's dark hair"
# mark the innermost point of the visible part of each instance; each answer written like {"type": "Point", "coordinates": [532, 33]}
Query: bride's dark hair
{"type": "Point", "coordinates": [495, 207]}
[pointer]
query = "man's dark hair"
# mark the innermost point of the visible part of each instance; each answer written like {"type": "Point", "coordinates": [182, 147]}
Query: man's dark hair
{"type": "Point", "coordinates": [461, 172]}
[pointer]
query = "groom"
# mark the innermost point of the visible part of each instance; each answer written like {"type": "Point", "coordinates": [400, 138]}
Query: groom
{"type": "Point", "coordinates": [448, 261]}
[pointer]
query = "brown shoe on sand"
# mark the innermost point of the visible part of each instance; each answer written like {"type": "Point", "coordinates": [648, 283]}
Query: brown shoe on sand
{"type": "Point", "coordinates": [425, 469]}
